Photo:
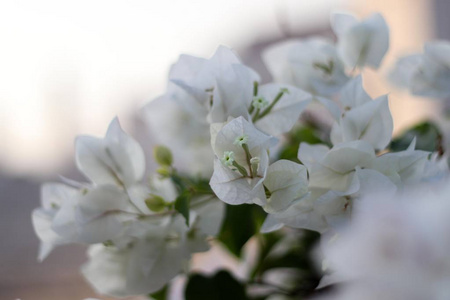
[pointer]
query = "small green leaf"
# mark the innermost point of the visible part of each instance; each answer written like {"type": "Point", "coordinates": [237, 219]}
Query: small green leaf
{"type": "Point", "coordinates": [182, 206]}
{"type": "Point", "coordinates": [241, 222]}
{"type": "Point", "coordinates": [221, 286]}
{"type": "Point", "coordinates": [427, 137]}
{"type": "Point", "coordinates": [304, 133]}
{"type": "Point", "coordinates": [159, 295]}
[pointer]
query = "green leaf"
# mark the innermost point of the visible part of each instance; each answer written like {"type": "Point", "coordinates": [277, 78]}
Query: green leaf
{"type": "Point", "coordinates": [159, 295]}
{"type": "Point", "coordinates": [241, 222]}
{"type": "Point", "coordinates": [304, 133]}
{"type": "Point", "coordinates": [182, 206]}
{"type": "Point", "coordinates": [427, 134]}
{"type": "Point", "coordinates": [221, 286]}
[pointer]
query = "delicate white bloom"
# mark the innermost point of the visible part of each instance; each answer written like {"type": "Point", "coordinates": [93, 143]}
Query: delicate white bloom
{"type": "Point", "coordinates": [116, 159]}
{"type": "Point", "coordinates": [228, 158]}
{"type": "Point", "coordinates": [260, 102]}
{"type": "Point", "coordinates": [425, 74]}
{"type": "Point", "coordinates": [362, 118]}
{"type": "Point", "coordinates": [239, 185]}
{"type": "Point", "coordinates": [241, 140]}
{"type": "Point", "coordinates": [324, 210]}
{"type": "Point", "coordinates": [395, 247]}
{"type": "Point", "coordinates": [313, 65]}
{"type": "Point", "coordinates": [363, 42]}
{"type": "Point", "coordinates": [404, 167]}
{"type": "Point", "coordinates": [335, 169]}
{"type": "Point", "coordinates": [53, 196]}
{"type": "Point", "coordinates": [159, 253]}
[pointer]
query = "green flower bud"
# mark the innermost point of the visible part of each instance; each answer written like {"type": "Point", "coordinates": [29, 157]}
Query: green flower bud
{"type": "Point", "coordinates": [155, 203]}
{"type": "Point", "coordinates": [163, 171]}
{"type": "Point", "coordinates": [162, 155]}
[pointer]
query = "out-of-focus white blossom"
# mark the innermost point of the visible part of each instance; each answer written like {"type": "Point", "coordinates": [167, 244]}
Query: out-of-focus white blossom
{"type": "Point", "coordinates": [313, 65]}
{"type": "Point", "coordinates": [363, 42]}
{"type": "Point", "coordinates": [395, 247]}
{"type": "Point", "coordinates": [425, 74]}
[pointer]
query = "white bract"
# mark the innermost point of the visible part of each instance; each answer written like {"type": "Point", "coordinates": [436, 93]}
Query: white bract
{"type": "Point", "coordinates": [313, 65]}
{"type": "Point", "coordinates": [116, 159]}
{"type": "Point", "coordinates": [425, 74]}
{"type": "Point", "coordinates": [362, 118]}
{"type": "Point", "coordinates": [363, 42]}
{"type": "Point", "coordinates": [240, 181]}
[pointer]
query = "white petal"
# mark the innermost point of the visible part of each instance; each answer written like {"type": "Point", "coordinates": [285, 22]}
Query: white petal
{"type": "Point", "coordinates": [370, 122]}
{"type": "Point", "coordinates": [310, 154]}
{"type": "Point", "coordinates": [116, 159]}
{"type": "Point", "coordinates": [341, 22]}
{"type": "Point", "coordinates": [353, 94]}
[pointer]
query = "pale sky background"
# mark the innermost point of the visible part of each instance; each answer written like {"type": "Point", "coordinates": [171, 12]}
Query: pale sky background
{"type": "Point", "coordinates": [68, 67]}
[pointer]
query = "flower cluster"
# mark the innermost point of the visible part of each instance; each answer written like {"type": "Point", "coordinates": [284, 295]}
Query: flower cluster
{"type": "Point", "coordinates": [138, 240]}
{"type": "Point", "coordinates": [394, 248]}
{"type": "Point", "coordinates": [225, 129]}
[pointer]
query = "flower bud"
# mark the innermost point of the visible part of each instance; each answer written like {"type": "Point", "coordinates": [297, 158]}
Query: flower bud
{"type": "Point", "coordinates": [155, 203]}
{"type": "Point", "coordinates": [162, 155]}
{"type": "Point", "coordinates": [163, 171]}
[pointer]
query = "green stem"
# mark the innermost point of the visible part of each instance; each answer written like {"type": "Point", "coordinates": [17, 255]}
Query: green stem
{"type": "Point", "coordinates": [241, 169]}
{"type": "Point", "coordinates": [248, 157]}
{"type": "Point", "coordinates": [269, 108]}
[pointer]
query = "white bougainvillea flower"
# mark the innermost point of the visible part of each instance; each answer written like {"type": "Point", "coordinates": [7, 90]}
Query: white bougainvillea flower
{"type": "Point", "coordinates": [425, 74]}
{"type": "Point", "coordinates": [200, 72]}
{"type": "Point", "coordinates": [404, 167]}
{"type": "Point", "coordinates": [233, 93]}
{"type": "Point", "coordinates": [313, 65]}
{"type": "Point", "coordinates": [154, 259]}
{"type": "Point", "coordinates": [322, 211]}
{"type": "Point", "coordinates": [200, 91]}
{"type": "Point", "coordinates": [363, 42]}
{"type": "Point", "coordinates": [335, 169]}
{"type": "Point", "coordinates": [394, 248]}
{"type": "Point", "coordinates": [286, 181]}
{"type": "Point", "coordinates": [53, 197]}
{"type": "Point", "coordinates": [363, 118]}
{"type": "Point", "coordinates": [242, 181]}
{"type": "Point", "coordinates": [115, 159]}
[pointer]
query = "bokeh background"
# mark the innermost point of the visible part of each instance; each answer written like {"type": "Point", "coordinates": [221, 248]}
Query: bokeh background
{"type": "Point", "coordinates": [68, 67]}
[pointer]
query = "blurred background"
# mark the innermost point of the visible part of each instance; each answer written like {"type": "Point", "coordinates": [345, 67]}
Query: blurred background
{"type": "Point", "coordinates": [68, 67]}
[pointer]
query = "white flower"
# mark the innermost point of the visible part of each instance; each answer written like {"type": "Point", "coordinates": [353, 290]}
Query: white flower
{"type": "Point", "coordinates": [363, 42]}
{"type": "Point", "coordinates": [362, 118]}
{"type": "Point", "coordinates": [425, 74]}
{"type": "Point", "coordinates": [395, 247]}
{"type": "Point", "coordinates": [406, 167]}
{"type": "Point", "coordinates": [53, 197]}
{"type": "Point", "coordinates": [313, 65]}
{"type": "Point", "coordinates": [239, 185]}
{"type": "Point", "coordinates": [324, 210]}
{"type": "Point", "coordinates": [116, 159]}
{"type": "Point", "coordinates": [259, 102]}
{"type": "Point", "coordinates": [334, 169]}
{"type": "Point", "coordinates": [159, 253]}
